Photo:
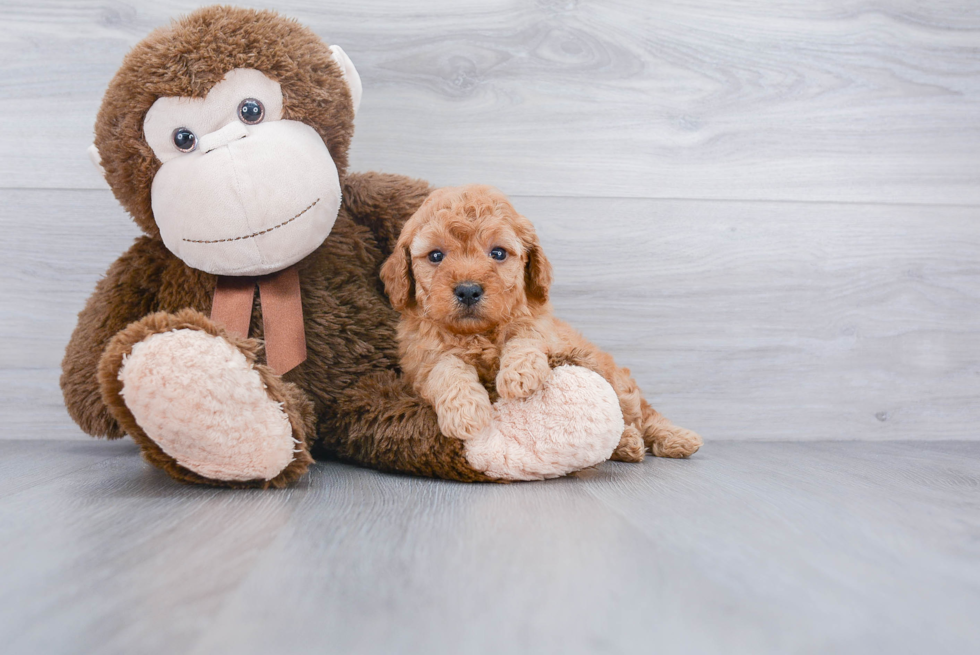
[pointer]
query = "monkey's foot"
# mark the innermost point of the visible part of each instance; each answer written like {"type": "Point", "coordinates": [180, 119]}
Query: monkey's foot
{"type": "Point", "coordinates": [573, 422]}
{"type": "Point", "coordinates": [195, 399]}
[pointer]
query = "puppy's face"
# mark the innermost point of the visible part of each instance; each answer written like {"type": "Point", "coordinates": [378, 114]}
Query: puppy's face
{"type": "Point", "coordinates": [468, 266]}
{"type": "Point", "coordinates": [467, 261]}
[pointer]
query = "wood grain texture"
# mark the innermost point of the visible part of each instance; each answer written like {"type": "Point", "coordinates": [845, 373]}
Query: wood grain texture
{"type": "Point", "coordinates": [124, 536]}
{"type": "Point", "coordinates": [24, 464]}
{"type": "Point", "coordinates": [775, 320]}
{"type": "Point", "coordinates": [843, 322]}
{"type": "Point", "coordinates": [833, 100]}
{"type": "Point", "coordinates": [746, 548]}
{"type": "Point", "coordinates": [57, 245]}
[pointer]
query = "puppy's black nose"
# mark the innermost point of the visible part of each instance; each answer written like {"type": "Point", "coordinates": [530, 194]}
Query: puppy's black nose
{"type": "Point", "coordinates": [468, 293]}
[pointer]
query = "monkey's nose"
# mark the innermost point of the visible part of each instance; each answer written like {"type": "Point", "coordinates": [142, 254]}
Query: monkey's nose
{"type": "Point", "coordinates": [230, 132]}
{"type": "Point", "coordinates": [468, 293]}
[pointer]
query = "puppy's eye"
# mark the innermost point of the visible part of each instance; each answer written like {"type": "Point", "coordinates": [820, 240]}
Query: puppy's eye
{"type": "Point", "coordinates": [499, 254]}
{"type": "Point", "coordinates": [436, 256]}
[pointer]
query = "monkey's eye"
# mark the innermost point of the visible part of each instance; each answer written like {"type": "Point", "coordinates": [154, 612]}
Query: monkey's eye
{"type": "Point", "coordinates": [184, 139]}
{"type": "Point", "coordinates": [499, 254]}
{"type": "Point", "coordinates": [251, 111]}
{"type": "Point", "coordinates": [436, 256]}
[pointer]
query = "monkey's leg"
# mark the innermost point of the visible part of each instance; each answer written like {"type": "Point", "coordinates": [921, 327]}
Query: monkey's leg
{"type": "Point", "coordinates": [201, 408]}
{"type": "Point", "coordinates": [631, 447]}
{"type": "Point", "coordinates": [666, 439]}
{"type": "Point", "coordinates": [380, 422]}
{"type": "Point", "coordinates": [572, 422]}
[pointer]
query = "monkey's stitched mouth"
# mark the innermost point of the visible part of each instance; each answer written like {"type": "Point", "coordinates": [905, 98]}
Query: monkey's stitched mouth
{"type": "Point", "coordinates": [255, 234]}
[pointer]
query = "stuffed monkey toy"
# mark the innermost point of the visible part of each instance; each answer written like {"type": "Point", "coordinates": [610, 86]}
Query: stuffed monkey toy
{"type": "Point", "coordinates": [225, 136]}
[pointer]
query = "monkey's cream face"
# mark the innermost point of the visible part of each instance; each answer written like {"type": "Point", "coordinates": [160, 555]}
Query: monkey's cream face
{"type": "Point", "coordinates": [240, 190]}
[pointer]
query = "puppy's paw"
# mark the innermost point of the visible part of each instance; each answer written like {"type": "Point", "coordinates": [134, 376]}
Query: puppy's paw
{"type": "Point", "coordinates": [631, 447]}
{"type": "Point", "coordinates": [523, 374]}
{"type": "Point", "coordinates": [675, 442]}
{"type": "Point", "coordinates": [465, 417]}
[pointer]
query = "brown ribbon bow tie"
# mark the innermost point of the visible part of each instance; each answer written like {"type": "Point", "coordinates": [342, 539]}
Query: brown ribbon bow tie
{"type": "Point", "coordinates": [282, 314]}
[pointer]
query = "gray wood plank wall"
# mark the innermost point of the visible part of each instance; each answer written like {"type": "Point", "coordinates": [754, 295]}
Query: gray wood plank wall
{"type": "Point", "coordinates": [768, 210]}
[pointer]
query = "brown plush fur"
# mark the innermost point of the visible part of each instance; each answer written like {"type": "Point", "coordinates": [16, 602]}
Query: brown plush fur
{"type": "Point", "coordinates": [457, 355]}
{"type": "Point", "coordinates": [346, 400]}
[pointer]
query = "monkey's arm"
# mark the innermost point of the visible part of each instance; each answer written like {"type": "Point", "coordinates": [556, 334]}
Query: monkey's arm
{"type": "Point", "coordinates": [383, 202]}
{"type": "Point", "coordinates": [128, 292]}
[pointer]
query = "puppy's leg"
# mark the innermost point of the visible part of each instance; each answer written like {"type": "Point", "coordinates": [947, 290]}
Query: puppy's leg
{"type": "Point", "coordinates": [461, 402]}
{"type": "Point", "coordinates": [575, 356]}
{"type": "Point", "coordinates": [632, 447]}
{"type": "Point", "coordinates": [664, 438]}
{"type": "Point", "coordinates": [523, 368]}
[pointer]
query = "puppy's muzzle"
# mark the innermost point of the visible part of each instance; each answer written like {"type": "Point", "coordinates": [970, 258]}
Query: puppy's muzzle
{"type": "Point", "coordinates": [468, 293]}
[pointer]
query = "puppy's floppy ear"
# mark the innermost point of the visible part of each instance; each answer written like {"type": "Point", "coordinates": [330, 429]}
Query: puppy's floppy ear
{"type": "Point", "coordinates": [396, 273]}
{"type": "Point", "coordinates": [537, 270]}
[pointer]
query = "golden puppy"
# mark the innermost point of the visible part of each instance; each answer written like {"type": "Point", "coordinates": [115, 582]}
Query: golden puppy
{"type": "Point", "coordinates": [471, 282]}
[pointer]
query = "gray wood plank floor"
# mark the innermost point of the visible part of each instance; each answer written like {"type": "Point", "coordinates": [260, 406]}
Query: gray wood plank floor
{"type": "Point", "coordinates": [746, 548]}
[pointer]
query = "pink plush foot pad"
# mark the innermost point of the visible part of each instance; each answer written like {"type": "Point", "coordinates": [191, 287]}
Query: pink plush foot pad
{"type": "Point", "coordinates": [572, 423]}
{"type": "Point", "coordinates": [201, 401]}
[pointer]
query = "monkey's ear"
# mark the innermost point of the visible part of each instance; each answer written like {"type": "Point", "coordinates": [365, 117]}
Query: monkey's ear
{"type": "Point", "coordinates": [350, 74]}
{"type": "Point", "coordinates": [96, 158]}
